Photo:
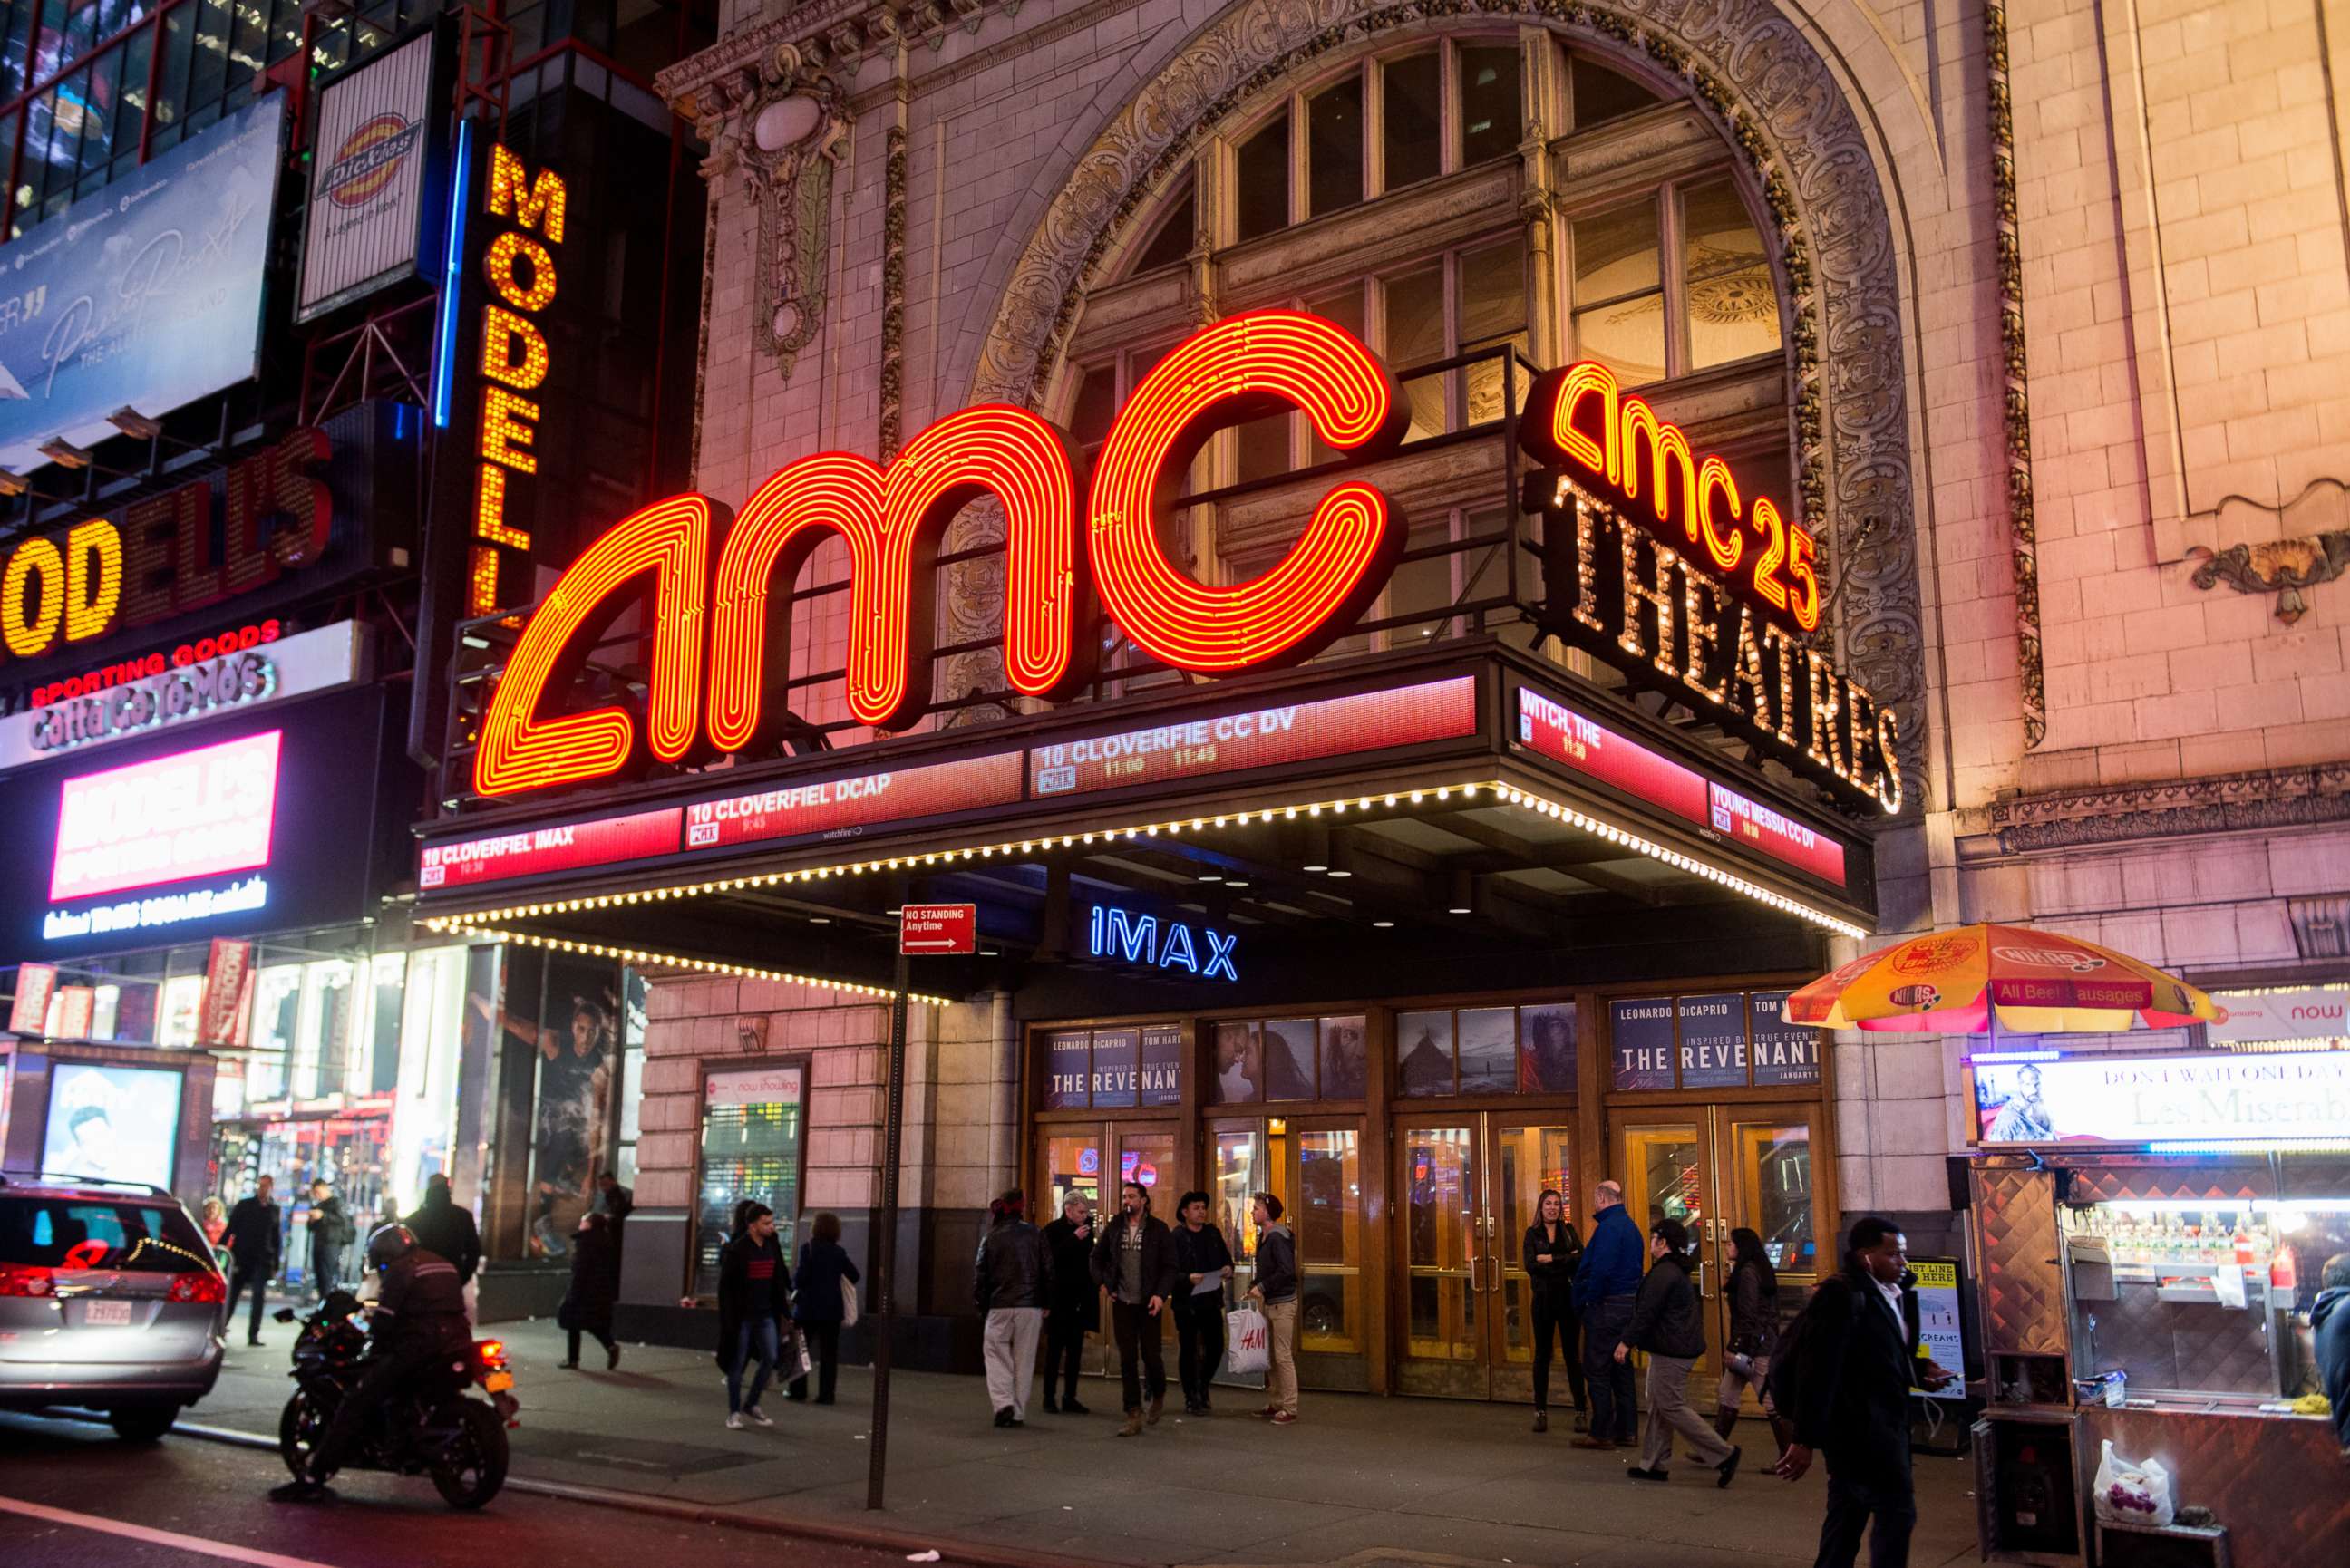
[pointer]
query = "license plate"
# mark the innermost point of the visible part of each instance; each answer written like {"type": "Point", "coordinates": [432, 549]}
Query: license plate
{"type": "Point", "coordinates": [498, 1382]}
{"type": "Point", "coordinates": [106, 1315]}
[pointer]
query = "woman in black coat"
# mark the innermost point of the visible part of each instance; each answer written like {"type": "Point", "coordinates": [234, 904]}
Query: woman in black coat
{"type": "Point", "coordinates": [1552, 1252]}
{"type": "Point", "coordinates": [819, 1304]}
{"type": "Point", "coordinates": [595, 1287]}
{"type": "Point", "coordinates": [1074, 1309]}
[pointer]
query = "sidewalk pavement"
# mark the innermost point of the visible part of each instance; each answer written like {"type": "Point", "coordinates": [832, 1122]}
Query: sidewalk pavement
{"type": "Point", "coordinates": [1360, 1480]}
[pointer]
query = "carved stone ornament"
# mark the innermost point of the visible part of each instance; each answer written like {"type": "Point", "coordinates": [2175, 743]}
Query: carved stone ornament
{"type": "Point", "coordinates": [2260, 801]}
{"type": "Point", "coordinates": [2283, 567]}
{"type": "Point", "coordinates": [782, 126]}
{"type": "Point", "coordinates": [1761, 79]}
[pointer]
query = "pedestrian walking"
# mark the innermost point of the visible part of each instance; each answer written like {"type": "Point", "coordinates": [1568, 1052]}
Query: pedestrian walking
{"type": "Point", "coordinates": [1551, 1252]}
{"type": "Point", "coordinates": [1754, 1294]}
{"type": "Point", "coordinates": [1665, 1323]}
{"type": "Point", "coordinates": [1607, 1284]}
{"type": "Point", "coordinates": [441, 1226]}
{"type": "Point", "coordinates": [1275, 1289]}
{"type": "Point", "coordinates": [255, 1244]}
{"type": "Point", "coordinates": [820, 1303]}
{"type": "Point", "coordinates": [1013, 1283]}
{"type": "Point", "coordinates": [331, 1230]}
{"type": "Point", "coordinates": [1075, 1309]}
{"type": "Point", "coordinates": [595, 1288]}
{"type": "Point", "coordinates": [752, 1299]}
{"type": "Point", "coordinates": [1205, 1262]}
{"type": "Point", "coordinates": [1846, 1386]}
{"type": "Point", "coordinates": [1134, 1260]}
{"type": "Point", "coordinates": [2330, 1320]}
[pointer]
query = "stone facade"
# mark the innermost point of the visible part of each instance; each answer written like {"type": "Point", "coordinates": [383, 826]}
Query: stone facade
{"type": "Point", "coordinates": [2067, 306]}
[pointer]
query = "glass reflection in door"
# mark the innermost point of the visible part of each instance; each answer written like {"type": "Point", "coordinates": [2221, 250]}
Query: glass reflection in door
{"type": "Point", "coordinates": [1328, 1218]}
{"type": "Point", "coordinates": [1440, 1243]}
{"type": "Point", "coordinates": [1528, 1162]}
{"type": "Point", "coordinates": [1668, 1175]}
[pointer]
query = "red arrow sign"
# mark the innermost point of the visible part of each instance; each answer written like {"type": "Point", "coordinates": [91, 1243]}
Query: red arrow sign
{"type": "Point", "coordinates": [937, 928]}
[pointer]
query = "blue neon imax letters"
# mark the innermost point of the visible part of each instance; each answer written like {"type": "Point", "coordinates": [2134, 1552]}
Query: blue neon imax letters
{"type": "Point", "coordinates": [1132, 937]}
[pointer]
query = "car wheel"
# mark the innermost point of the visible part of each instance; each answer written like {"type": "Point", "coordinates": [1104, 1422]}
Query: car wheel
{"type": "Point", "coordinates": [142, 1423]}
{"type": "Point", "coordinates": [1320, 1316]}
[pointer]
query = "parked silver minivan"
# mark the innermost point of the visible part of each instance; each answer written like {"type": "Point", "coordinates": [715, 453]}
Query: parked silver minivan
{"type": "Point", "coordinates": [109, 1299]}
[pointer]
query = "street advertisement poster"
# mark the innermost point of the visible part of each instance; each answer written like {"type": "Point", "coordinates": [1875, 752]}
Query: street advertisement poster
{"type": "Point", "coordinates": [1938, 1321]}
{"type": "Point", "coordinates": [29, 1012]}
{"type": "Point", "coordinates": [1782, 1053]}
{"type": "Point", "coordinates": [368, 199]}
{"type": "Point", "coordinates": [2301, 1013]}
{"type": "Point", "coordinates": [116, 1124]}
{"type": "Point", "coordinates": [1162, 1063]}
{"type": "Point", "coordinates": [1116, 1063]}
{"type": "Point", "coordinates": [1641, 1034]}
{"type": "Point", "coordinates": [1547, 1046]}
{"type": "Point", "coordinates": [1345, 1058]}
{"type": "Point", "coordinates": [1068, 1070]}
{"type": "Point", "coordinates": [1290, 1046]}
{"type": "Point", "coordinates": [2122, 1099]}
{"type": "Point", "coordinates": [223, 1015]}
{"type": "Point", "coordinates": [148, 299]}
{"type": "Point", "coordinates": [1713, 1041]}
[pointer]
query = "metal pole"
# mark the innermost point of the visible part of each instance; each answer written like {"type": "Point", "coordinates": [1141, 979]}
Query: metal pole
{"type": "Point", "coordinates": [885, 1262]}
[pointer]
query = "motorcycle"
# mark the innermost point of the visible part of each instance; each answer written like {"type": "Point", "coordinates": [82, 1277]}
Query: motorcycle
{"type": "Point", "coordinates": [437, 1428]}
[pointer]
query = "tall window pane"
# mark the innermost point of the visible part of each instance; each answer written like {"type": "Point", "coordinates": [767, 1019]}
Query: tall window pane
{"type": "Point", "coordinates": [1602, 95]}
{"type": "Point", "coordinates": [1733, 305]}
{"type": "Point", "coordinates": [1345, 309]}
{"type": "Point", "coordinates": [1173, 241]}
{"type": "Point", "coordinates": [1334, 150]}
{"type": "Point", "coordinates": [1412, 118]}
{"type": "Point", "coordinates": [1493, 295]}
{"type": "Point", "coordinates": [1261, 172]}
{"type": "Point", "coordinates": [1415, 335]}
{"type": "Point", "coordinates": [1491, 118]}
{"type": "Point", "coordinates": [1619, 318]}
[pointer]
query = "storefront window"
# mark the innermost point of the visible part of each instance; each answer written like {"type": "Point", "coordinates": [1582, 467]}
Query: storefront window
{"type": "Point", "coordinates": [752, 1133]}
{"type": "Point", "coordinates": [632, 1074]}
{"type": "Point", "coordinates": [1073, 1169]}
{"type": "Point", "coordinates": [1440, 1250]}
{"type": "Point", "coordinates": [424, 1106]}
{"type": "Point", "coordinates": [1771, 1162]}
{"type": "Point", "coordinates": [1667, 1171]}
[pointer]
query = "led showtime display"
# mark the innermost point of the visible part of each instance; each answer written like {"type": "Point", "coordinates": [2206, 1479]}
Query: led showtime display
{"type": "Point", "coordinates": [838, 806]}
{"type": "Point", "coordinates": [1257, 738]}
{"type": "Point", "coordinates": [570, 846]}
{"type": "Point", "coordinates": [169, 819]}
{"type": "Point", "coordinates": [1557, 731]}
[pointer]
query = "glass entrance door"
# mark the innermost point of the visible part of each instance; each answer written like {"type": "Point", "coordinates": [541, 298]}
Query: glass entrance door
{"type": "Point", "coordinates": [1719, 1170]}
{"type": "Point", "coordinates": [1468, 1186]}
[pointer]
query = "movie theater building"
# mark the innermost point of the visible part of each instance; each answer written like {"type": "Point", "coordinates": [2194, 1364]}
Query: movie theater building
{"type": "Point", "coordinates": [1415, 637]}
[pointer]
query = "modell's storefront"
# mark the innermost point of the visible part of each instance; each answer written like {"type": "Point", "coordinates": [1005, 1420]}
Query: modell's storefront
{"type": "Point", "coordinates": [1403, 906]}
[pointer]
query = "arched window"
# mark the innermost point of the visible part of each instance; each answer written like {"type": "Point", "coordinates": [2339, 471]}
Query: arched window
{"type": "Point", "coordinates": [1386, 192]}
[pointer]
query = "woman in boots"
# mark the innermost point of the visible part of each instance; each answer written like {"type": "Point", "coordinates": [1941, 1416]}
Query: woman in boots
{"type": "Point", "coordinates": [1753, 1334]}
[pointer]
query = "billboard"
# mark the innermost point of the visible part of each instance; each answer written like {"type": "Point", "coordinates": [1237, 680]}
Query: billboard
{"type": "Point", "coordinates": [2243, 1094]}
{"type": "Point", "coordinates": [368, 197]}
{"type": "Point", "coordinates": [117, 1124]}
{"type": "Point", "coordinates": [281, 822]}
{"type": "Point", "coordinates": [148, 298]}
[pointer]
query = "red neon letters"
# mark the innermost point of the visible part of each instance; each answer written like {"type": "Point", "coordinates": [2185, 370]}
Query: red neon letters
{"type": "Point", "coordinates": [1578, 418]}
{"type": "Point", "coordinates": [1234, 370]}
{"type": "Point", "coordinates": [1237, 370]}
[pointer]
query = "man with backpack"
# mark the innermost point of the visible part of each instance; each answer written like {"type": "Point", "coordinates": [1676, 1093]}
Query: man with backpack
{"type": "Point", "coordinates": [1844, 1375]}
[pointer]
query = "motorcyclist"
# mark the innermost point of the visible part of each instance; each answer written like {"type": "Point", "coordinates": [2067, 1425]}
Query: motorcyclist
{"type": "Point", "coordinates": [419, 1317]}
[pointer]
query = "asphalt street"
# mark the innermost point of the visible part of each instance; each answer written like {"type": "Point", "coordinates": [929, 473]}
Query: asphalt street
{"type": "Point", "coordinates": [72, 1495]}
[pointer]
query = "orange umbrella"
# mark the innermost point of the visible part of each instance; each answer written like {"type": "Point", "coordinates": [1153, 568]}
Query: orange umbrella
{"type": "Point", "coordinates": [2036, 982]}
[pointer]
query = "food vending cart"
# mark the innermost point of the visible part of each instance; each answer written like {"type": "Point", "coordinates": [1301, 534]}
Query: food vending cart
{"type": "Point", "coordinates": [2148, 1233]}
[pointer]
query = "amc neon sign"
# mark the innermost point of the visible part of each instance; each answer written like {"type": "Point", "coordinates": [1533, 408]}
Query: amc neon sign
{"type": "Point", "coordinates": [720, 630]}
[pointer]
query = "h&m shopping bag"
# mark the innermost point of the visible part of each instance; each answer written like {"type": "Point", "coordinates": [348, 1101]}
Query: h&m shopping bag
{"type": "Point", "coordinates": [1248, 1342]}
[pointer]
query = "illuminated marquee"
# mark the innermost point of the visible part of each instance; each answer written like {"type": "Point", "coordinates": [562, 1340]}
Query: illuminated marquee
{"type": "Point", "coordinates": [158, 558]}
{"type": "Point", "coordinates": [520, 271]}
{"type": "Point", "coordinates": [1128, 937]}
{"type": "Point", "coordinates": [1657, 566]}
{"type": "Point", "coordinates": [1627, 481]}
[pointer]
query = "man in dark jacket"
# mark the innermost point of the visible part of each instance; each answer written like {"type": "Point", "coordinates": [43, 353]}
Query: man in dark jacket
{"type": "Point", "coordinates": [1013, 1284]}
{"type": "Point", "coordinates": [1075, 1308]}
{"type": "Point", "coordinates": [1859, 1364]}
{"type": "Point", "coordinates": [419, 1317]}
{"type": "Point", "coordinates": [2331, 1320]}
{"type": "Point", "coordinates": [1607, 1283]}
{"type": "Point", "coordinates": [255, 1245]}
{"type": "Point", "coordinates": [442, 1227]}
{"type": "Point", "coordinates": [1205, 1262]}
{"type": "Point", "coordinates": [1275, 1289]}
{"type": "Point", "coordinates": [1665, 1323]}
{"type": "Point", "coordinates": [331, 1230]}
{"type": "Point", "coordinates": [1134, 1260]}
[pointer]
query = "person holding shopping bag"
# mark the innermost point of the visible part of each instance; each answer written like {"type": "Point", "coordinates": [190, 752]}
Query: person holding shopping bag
{"type": "Point", "coordinates": [1275, 1289]}
{"type": "Point", "coordinates": [820, 1295]}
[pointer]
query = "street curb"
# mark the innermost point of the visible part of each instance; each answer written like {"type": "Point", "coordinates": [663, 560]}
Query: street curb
{"type": "Point", "coordinates": [952, 1552]}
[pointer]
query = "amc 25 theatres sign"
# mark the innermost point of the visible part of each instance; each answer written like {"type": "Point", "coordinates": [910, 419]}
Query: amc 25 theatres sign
{"type": "Point", "coordinates": [1715, 595]}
